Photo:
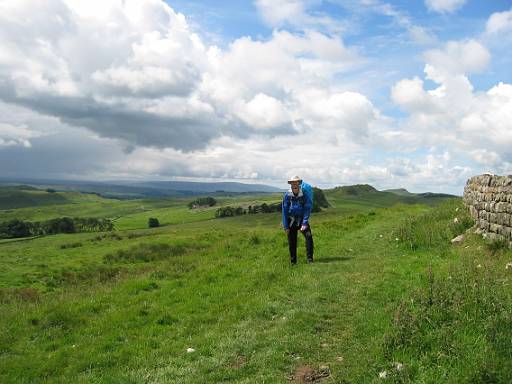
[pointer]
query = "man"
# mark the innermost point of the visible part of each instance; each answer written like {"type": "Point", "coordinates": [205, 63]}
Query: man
{"type": "Point", "coordinates": [297, 204]}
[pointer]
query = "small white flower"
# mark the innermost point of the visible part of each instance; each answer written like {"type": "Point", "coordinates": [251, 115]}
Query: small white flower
{"type": "Point", "coordinates": [508, 266]}
{"type": "Point", "coordinates": [455, 221]}
{"type": "Point", "coordinates": [457, 209]}
{"type": "Point", "coordinates": [479, 266]}
{"type": "Point", "coordinates": [383, 374]}
{"type": "Point", "coordinates": [398, 366]}
{"type": "Point", "coordinates": [380, 236]}
{"type": "Point", "coordinates": [190, 350]}
{"type": "Point", "coordinates": [396, 238]}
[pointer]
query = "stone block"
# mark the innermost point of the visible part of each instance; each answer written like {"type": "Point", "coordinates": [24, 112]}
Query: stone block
{"type": "Point", "coordinates": [494, 227]}
{"type": "Point", "coordinates": [501, 207]}
{"type": "Point", "coordinates": [503, 219]}
{"type": "Point", "coordinates": [483, 224]}
{"type": "Point", "coordinates": [507, 232]}
{"type": "Point", "coordinates": [494, 236]}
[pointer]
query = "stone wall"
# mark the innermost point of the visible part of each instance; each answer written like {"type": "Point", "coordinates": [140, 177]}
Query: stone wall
{"type": "Point", "coordinates": [489, 199]}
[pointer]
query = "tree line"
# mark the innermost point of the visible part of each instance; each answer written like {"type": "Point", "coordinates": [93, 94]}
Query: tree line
{"type": "Point", "coordinates": [252, 209]}
{"type": "Point", "coordinates": [202, 202]}
{"type": "Point", "coordinates": [319, 202]}
{"type": "Point", "coordinates": [18, 228]}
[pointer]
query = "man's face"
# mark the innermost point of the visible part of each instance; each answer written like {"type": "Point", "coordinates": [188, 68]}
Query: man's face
{"type": "Point", "coordinates": [295, 187]}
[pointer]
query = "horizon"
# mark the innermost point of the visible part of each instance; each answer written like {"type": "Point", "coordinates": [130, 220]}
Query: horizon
{"type": "Point", "coordinates": [386, 93]}
{"type": "Point", "coordinates": [41, 182]}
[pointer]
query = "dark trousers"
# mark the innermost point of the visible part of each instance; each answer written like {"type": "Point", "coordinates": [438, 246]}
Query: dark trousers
{"type": "Point", "coordinates": [292, 243]}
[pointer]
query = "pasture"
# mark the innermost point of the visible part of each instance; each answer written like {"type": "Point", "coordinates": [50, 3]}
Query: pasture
{"type": "Point", "coordinates": [215, 300]}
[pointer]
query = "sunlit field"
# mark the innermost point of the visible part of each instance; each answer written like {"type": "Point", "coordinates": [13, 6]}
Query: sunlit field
{"type": "Point", "coordinates": [205, 300]}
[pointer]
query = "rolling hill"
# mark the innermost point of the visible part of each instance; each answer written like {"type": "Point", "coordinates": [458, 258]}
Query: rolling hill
{"type": "Point", "coordinates": [26, 196]}
{"type": "Point", "coordinates": [365, 195]}
{"type": "Point", "coordinates": [145, 189]}
{"type": "Point", "coordinates": [211, 300]}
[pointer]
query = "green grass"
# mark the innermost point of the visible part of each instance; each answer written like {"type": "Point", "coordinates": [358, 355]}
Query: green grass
{"type": "Point", "coordinates": [16, 197]}
{"type": "Point", "coordinates": [124, 307]}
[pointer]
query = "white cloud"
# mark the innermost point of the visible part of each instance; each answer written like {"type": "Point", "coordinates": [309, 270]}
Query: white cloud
{"type": "Point", "coordinates": [135, 71]}
{"type": "Point", "coordinates": [264, 112]}
{"type": "Point", "coordinates": [296, 13]}
{"type": "Point", "coordinates": [444, 6]}
{"type": "Point", "coordinates": [15, 135]}
{"type": "Point", "coordinates": [499, 22]}
{"type": "Point", "coordinates": [457, 57]}
{"type": "Point", "coordinates": [410, 95]}
{"type": "Point", "coordinates": [263, 83]}
{"type": "Point", "coordinates": [453, 115]}
{"type": "Point", "coordinates": [138, 77]}
{"type": "Point", "coordinates": [418, 34]}
{"type": "Point", "coordinates": [276, 13]}
{"type": "Point", "coordinates": [486, 157]}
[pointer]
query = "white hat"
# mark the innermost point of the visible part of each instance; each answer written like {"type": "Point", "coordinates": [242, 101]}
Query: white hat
{"type": "Point", "coordinates": [294, 178]}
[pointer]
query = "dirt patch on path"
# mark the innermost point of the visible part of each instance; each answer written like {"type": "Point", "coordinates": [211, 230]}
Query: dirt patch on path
{"type": "Point", "coordinates": [306, 374]}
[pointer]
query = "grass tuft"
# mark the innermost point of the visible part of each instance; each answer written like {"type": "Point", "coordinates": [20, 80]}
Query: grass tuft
{"type": "Point", "coordinates": [435, 228]}
{"type": "Point", "coordinates": [468, 312]}
{"type": "Point", "coordinates": [26, 294]}
{"type": "Point", "coordinates": [71, 245]}
{"type": "Point", "coordinates": [146, 253]}
{"type": "Point", "coordinates": [498, 245]}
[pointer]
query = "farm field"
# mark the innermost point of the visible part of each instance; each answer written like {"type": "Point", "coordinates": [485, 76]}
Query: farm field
{"type": "Point", "coordinates": [388, 297]}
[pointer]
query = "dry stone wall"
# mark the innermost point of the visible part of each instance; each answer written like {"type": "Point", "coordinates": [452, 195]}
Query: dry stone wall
{"type": "Point", "coordinates": [489, 199]}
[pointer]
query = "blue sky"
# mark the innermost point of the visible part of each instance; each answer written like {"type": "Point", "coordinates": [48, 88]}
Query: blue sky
{"type": "Point", "coordinates": [390, 93]}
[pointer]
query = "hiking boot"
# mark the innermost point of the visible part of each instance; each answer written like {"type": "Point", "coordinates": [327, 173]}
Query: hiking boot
{"type": "Point", "coordinates": [310, 261]}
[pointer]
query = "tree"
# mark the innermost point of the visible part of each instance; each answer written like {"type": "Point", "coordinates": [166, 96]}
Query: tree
{"type": "Point", "coordinates": [153, 222]}
{"type": "Point", "coordinates": [202, 202]}
{"type": "Point", "coordinates": [15, 228]}
{"type": "Point", "coordinates": [319, 200]}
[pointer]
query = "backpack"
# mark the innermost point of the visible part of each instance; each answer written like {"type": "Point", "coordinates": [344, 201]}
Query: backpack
{"type": "Point", "coordinates": [306, 191]}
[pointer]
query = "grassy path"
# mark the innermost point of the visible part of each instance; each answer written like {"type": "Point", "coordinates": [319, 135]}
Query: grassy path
{"type": "Point", "coordinates": [249, 315]}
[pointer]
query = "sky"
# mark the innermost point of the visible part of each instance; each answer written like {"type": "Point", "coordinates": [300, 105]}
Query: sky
{"type": "Point", "coordinates": [389, 93]}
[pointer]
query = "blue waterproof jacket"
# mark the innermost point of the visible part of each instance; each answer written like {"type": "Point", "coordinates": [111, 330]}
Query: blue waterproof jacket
{"type": "Point", "coordinates": [297, 207]}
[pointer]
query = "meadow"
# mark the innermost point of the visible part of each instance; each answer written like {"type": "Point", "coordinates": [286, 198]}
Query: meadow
{"type": "Point", "coordinates": [205, 300]}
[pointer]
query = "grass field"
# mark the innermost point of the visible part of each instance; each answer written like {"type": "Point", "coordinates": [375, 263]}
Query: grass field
{"type": "Point", "coordinates": [387, 296]}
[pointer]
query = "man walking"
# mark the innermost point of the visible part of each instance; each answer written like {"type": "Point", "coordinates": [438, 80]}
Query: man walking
{"type": "Point", "coordinates": [297, 204]}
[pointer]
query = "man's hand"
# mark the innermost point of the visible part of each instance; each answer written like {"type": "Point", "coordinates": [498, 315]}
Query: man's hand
{"type": "Point", "coordinates": [287, 231]}
{"type": "Point", "coordinates": [303, 228]}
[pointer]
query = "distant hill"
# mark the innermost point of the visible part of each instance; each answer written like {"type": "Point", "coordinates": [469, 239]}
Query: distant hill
{"type": "Point", "coordinates": [399, 191]}
{"type": "Point", "coordinates": [201, 187]}
{"type": "Point", "coordinates": [366, 195]}
{"type": "Point", "coordinates": [145, 189]}
{"type": "Point", "coordinates": [353, 190]}
{"type": "Point", "coordinates": [22, 196]}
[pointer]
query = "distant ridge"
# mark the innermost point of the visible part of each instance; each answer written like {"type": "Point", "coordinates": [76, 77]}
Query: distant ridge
{"type": "Point", "coordinates": [399, 191]}
{"type": "Point", "coordinates": [358, 189]}
{"type": "Point", "coordinates": [365, 194]}
{"type": "Point", "coordinates": [144, 189]}
{"type": "Point", "coordinates": [405, 192]}
{"type": "Point", "coordinates": [197, 186]}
